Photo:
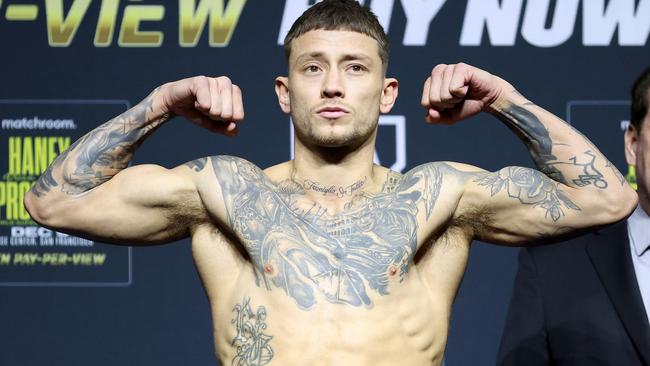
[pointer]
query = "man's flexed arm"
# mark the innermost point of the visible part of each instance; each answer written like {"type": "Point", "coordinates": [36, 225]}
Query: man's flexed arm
{"type": "Point", "coordinates": [575, 186]}
{"type": "Point", "coordinates": [88, 190]}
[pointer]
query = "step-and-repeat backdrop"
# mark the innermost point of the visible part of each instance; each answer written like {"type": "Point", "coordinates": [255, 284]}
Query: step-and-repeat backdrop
{"type": "Point", "coordinates": [69, 65]}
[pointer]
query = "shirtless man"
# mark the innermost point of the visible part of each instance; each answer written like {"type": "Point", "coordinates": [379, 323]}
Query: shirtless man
{"type": "Point", "coordinates": [328, 259]}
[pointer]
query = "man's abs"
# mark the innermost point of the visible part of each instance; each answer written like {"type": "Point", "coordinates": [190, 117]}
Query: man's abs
{"type": "Point", "coordinates": [258, 323]}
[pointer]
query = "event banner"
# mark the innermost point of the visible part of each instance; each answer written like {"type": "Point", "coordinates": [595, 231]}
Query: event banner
{"type": "Point", "coordinates": [33, 133]}
{"type": "Point", "coordinates": [141, 23]}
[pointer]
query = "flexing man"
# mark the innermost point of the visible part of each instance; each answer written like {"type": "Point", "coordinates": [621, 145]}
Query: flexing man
{"type": "Point", "coordinates": [328, 259]}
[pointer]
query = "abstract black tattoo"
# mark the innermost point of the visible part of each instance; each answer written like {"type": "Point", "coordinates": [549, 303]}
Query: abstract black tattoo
{"type": "Point", "coordinates": [530, 187]}
{"type": "Point", "coordinates": [533, 132]}
{"type": "Point", "coordinates": [309, 254]}
{"type": "Point", "coordinates": [251, 343]}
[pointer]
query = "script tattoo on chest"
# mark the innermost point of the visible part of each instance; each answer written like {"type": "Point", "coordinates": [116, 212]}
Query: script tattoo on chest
{"type": "Point", "coordinates": [337, 191]}
{"type": "Point", "coordinates": [310, 255]}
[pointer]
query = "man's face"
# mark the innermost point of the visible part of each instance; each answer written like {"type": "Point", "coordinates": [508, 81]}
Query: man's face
{"type": "Point", "coordinates": [336, 88]}
{"type": "Point", "coordinates": [637, 152]}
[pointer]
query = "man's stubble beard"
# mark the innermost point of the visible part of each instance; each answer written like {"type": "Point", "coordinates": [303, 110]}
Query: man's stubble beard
{"type": "Point", "coordinates": [311, 135]}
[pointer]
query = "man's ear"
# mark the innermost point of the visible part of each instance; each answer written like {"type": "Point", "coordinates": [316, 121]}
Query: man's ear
{"type": "Point", "coordinates": [282, 91]}
{"type": "Point", "coordinates": [631, 141]}
{"type": "Point", "coordinates": [389, 95]}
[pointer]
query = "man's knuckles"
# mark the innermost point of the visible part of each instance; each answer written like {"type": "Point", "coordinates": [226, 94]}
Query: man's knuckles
{"type": "Point", "coordinates": [217, 98]}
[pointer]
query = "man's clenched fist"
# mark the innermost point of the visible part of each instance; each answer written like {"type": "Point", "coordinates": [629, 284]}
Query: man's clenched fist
{"type": "Point", "coordinates": [214, 103]}
{"type": "Point", "coordinates": [458, 91]}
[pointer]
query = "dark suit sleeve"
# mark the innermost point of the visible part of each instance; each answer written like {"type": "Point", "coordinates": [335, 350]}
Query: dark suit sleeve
{"type": "Point", "coordinates": [524, 336]}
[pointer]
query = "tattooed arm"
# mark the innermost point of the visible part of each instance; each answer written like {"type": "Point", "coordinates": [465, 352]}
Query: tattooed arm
{"type": "Point", "coordinates": [574, 187]}
{"type": "Point", "coordinates": [89, 191]}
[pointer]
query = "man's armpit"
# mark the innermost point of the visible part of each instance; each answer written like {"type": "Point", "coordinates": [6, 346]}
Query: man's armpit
{"type": "Point", "coordinates": [476, 221]}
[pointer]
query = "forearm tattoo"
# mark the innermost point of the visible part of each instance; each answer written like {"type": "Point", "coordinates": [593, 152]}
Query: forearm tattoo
{"type": "Point", "coordinates": [311, 255]}
{"type": "Point", "coordinates": [251, 343]}
{"type": "Point", "coordinates": [536, 136]}
{"type": "Point", "coordinates": [100, 154]}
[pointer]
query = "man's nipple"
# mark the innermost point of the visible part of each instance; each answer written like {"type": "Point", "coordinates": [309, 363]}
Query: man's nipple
{"type": "Point", "coordinates": [392, 270]}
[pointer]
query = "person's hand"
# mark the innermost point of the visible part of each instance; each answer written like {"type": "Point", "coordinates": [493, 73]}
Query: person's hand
{"type": "Point", "coordinates": [213, 103]}
{"type": "Point", "coordinates": [458, 91]}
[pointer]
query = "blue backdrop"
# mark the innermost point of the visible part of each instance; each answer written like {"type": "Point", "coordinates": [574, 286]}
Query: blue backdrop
{"type": "Point", "coordinates": [68, 66]}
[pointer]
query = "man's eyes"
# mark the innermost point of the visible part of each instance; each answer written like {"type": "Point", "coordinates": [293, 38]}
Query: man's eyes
{"type": "Point", "coordinates": [357, 68]}
{"type": "Point", "coordinates": [354, 68]}
{"type": "Point", "coordinates": [312, 68]}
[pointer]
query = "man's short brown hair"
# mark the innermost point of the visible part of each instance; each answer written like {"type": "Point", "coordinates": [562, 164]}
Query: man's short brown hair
{"type": "Point", "coordinates": [640, 95]}
{"type": "Point", "coordinates": [339, 15]}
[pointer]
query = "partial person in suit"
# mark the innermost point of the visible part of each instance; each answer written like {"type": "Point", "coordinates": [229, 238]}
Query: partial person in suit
{"type": "Point", "coordinates": [587, 301]}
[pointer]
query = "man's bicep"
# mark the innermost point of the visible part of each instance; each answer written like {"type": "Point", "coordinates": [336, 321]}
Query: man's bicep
{"type": "Point", "coordinates": [144, 204]}
{"type": "Point", "coordinates": [519, 205]}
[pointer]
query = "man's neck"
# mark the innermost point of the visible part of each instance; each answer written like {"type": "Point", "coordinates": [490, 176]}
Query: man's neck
{"type": "Point", "coordinates": [331, 175]}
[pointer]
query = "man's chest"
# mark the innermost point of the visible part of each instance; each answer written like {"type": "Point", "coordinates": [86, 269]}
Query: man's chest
{"type": "Point", "coordinates": [311, 256]}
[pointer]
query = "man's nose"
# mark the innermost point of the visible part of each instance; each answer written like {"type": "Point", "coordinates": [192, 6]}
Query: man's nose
{"type": "Point", "coordinates": [333, 85]}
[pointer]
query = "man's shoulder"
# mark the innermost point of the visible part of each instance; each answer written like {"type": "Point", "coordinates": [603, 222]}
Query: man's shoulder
{"type": "Point", "coordinates": [443, 165]}
{"type": "Point", "coordinates": [230, 173]}
{"type": "Point", "coordinates": [446, 169]}
{"type": "Point", "coordinates": [217, 161]}
{"type": "Point", "coordinates": [440, 179]}
{"type": "Point", "coordinates": [228, 165]}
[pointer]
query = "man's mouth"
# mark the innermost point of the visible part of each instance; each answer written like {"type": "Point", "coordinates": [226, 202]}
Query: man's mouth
{"type": "Point", "coordinates": [332, 112]}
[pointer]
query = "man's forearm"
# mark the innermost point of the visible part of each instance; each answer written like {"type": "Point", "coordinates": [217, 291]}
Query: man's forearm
{"type": "Point", "coordinates": [103, 152]}
{"type": "Point", "coordinates": [558, 150]}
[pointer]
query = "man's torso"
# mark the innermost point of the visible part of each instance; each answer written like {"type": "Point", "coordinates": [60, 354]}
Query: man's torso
{"type": "Point", "coordinates": [290, 283]}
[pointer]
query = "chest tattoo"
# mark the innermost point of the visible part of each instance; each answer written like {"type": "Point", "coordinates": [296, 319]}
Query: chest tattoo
{"type": "Point", "coordinates": [312, 256]}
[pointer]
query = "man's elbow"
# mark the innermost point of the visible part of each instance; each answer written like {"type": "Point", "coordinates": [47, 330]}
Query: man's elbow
{"type": "Point", "coordinates": [620, 205]}
{"type": "Point", "coordinates": [39, 209]}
